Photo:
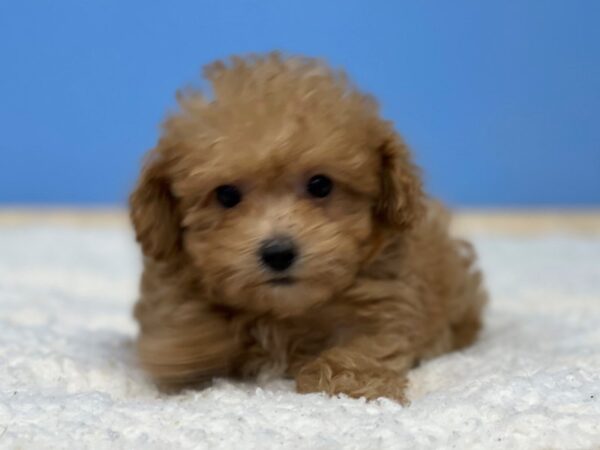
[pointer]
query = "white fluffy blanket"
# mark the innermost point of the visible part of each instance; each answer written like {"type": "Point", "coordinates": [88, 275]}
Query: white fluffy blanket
{"type": "Point", "coordinates": [68, 377]}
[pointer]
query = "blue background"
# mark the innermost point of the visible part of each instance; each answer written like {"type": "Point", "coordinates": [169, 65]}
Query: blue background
{"type": "Point", "coordinates": [499, 100]}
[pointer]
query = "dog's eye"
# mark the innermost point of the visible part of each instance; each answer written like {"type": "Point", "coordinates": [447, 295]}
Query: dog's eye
{"type": "Point", "coordinates": [319, 186]}
{"type": "Point", "coordinates": [228, 195]}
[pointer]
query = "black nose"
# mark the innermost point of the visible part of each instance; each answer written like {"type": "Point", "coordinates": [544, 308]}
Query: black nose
{"type": "Point", "coordinates": [278, 254]}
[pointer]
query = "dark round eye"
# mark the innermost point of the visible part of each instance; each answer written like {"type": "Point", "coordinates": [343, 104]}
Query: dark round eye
{"type": "Point", "coordinates": [228, 195]}
{"type": "Point", "coordinates": [319, 186]}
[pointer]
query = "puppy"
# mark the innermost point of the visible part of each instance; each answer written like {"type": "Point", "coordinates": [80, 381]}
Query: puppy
{"type": "Point", "coordinates": [285, 232]}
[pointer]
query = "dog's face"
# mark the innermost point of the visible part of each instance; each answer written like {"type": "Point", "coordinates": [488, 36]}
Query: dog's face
{"type": "Point", "coordinates": [279, 190]}
{"type": "Point", "coordinates": [278, 223]}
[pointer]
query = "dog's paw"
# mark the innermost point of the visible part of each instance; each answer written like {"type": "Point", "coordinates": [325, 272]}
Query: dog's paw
{"type": "Point", "coordinates": [327, 375]}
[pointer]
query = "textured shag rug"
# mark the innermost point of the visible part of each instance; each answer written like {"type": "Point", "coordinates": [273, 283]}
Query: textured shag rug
{"type": "Point", "coordinates": [68, 376]}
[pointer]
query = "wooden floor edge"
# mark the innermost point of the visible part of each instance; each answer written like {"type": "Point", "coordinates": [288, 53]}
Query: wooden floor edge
{"type": "Point", "coordinates": [519, 222]}
{"type": "Point", "coordinates": [465, 221]}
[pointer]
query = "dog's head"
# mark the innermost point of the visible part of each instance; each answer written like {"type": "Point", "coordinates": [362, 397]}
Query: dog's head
{"type": "Point", "coordinates": [279, 189]}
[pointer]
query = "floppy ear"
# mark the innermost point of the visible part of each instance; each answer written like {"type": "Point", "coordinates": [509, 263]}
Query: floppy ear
{"type": "Point", "coordinates": [401, 200]}
{"type": "Point", "coordinates": [153, 212]}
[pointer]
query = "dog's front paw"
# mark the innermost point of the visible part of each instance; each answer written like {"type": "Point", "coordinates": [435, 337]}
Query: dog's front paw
{"type": "Point", "coordinates": [326, 375]}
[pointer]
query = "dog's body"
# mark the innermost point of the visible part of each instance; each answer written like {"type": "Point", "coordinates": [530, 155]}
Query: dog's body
{"type": "Point", "coordinates": [285, 233]}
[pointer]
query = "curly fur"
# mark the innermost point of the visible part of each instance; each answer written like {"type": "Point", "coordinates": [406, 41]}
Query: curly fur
{"type": "Point", "coordinates": [379, 284]}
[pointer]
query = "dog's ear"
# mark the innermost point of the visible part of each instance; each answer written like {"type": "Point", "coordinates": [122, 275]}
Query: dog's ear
{"type": "Point", "coordinates": [153, 211]}
{"type": "Point", "coordinates": [401, 199]}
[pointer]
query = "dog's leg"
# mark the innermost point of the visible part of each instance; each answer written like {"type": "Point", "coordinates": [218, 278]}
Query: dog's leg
{"type": "Point", "coordinates": [369, 367]}
{"type": "Point", "coordinates": [182, 353]}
